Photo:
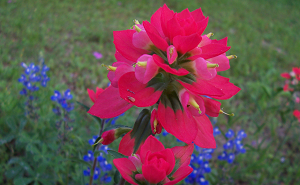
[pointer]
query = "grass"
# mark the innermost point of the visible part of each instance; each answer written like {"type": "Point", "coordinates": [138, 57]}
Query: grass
{"type": "Point", "coordinates": [263, 34]}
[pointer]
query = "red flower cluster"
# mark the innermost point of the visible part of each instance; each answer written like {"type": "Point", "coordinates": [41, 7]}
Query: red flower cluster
{"type": "Point", "coordinates": [293, 78]}
{"type": "Point", "coordinates": [297, 114]}
{"type": "Point", "coordinates": [155, 164]}
{"type": "Point", "coordinates": [168, 62]}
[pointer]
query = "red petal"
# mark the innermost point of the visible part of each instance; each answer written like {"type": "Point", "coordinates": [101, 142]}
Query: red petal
{"type": "Point", "coordinates": [286, 75]}
{"type": "Point", "coordinates": [202, 87]}
{"type": "Point", "coordinates": [183, 154]}
{"type": "Point", "coordinates": [109, 104]}
{"type": "Point", "coordinates": [151, 144]}
{"type": "Point", "coordinates": [202, 25]}
{"type": "Point", "coordinates": [92, 95]}
{"type": "Point", "coordinates": [178, 124]}
{"type": "Point", "coordinates": [136, 92]}
{"type": "Point", "coordinates": [155, 21]}
{"type": "Point", "coordinates": [184, 44]}
{"type": "Point", "coordinates": [205, 137]}
{"type": "Point", "coordinates": [152, 174]}
{"type": "Point", "coordinates": [125, 167]}
{"type": "Point", "coordinates": [174, 28]}
{"type": "Point", "coordinates": [166, 15]}
{"type": "Point", "coordinates": [229, 89]}
{"type": "Point", "coordinates": [119, 57]}
{"type": "Point", "coordinates": [213, 50]}
{"type": "Point", "coordinates": [212, 107]}
{"type": "Point", "coordinates": [123, 43]}
{"type": "Point", "coordinates": [155, 37]}
{"type": "Point", "coordinates": [126, 145]}
{"type": "Point", "coordinates": [180, 174]}
{"type": "Point", "coordinates": [198, 15]}
{"type": "Point", "coordinates": [222, 41]}
{"type": "Point", "coordinates": [160, 62]}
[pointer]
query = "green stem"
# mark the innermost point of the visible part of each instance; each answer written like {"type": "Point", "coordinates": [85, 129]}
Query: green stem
{"type": "Point", "coordinates": [97, 148]}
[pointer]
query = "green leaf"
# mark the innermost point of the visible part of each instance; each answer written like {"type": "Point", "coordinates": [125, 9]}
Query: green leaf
{"type": "Point", "coordinates": [141, 129]}
{"type": "Point", "coordinates": [13, 172]}
{"type": "Point", "coordinates": [84, 106]}
{"type": "Point", "coordinates": [117, 177]}
{"type": "Point", "coordinates": [22, 124]}
{"type": "Point", "coordinates": [7, 139]}
{"type": "Point", "coordinates": [116, 154]}
{"type": "Point", "coordinates": [22, 181]}
{"type": "Point", "coordinates": [79, 161]}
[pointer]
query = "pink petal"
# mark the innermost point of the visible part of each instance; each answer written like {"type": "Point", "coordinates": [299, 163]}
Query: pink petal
{"type": "Point", "coordinates": [145, 73]}
{"type": "Point", "coordinates": [109, 104]}
{"type": "Point", "coordinates": [222, 60]}
{"type": "Point", "coordinates": [184, 44]}
{"type": "Point", "coordinates": [141, 40]}
{"type": "Point", "coordinates": [286, 75]}
{"type": "Point", "coordinates": [136, 92]}
{"type": "Point", "coordinates": [180, 174]}
{"type": "Point", "coordinates": [125, 167]}
{"type": "Point", "coordinates": [172, 56]}
{"type": "Point", "coordinates": [123, 43]}
{"type": "Point", "coordinates": [122, 68]}
{"type": "Point", "coordinates": [155, 37]}
{"type": "Point", "coordinates": [203, 71]}
{"type": "Point", "coordinates": [160, 62]}
{"type": "Point", "coordinates": [205, 137]}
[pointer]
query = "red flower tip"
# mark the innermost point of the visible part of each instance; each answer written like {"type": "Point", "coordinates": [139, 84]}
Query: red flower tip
{"type": "Point", "coordinates": [296, 113]}
{"type": "Point", "coordinates": [94, 96]}
{"type": "Point", "coordinates": [286, 75]}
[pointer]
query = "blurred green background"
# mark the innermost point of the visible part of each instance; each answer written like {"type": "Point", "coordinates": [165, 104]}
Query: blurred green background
{"type": "Point", "coordinates": [264, 34]}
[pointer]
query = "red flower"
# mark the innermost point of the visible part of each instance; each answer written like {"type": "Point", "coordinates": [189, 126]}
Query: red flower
{"type": "Point", "coordinates": [296, 113]}
{"type": "Point", "coordinates": [158, 60]}
{"type": "Point", "coordinates": [153, 163]}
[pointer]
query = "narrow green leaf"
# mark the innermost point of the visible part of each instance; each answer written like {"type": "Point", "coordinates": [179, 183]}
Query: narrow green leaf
{"type": "Point", "coordinates": [116, 154]}
{"type": "Point", "coordinates": [80, 161]}
{"type": "Point", "coordinates": [117, 177]}
{"type": "Point", "coordinates": [84, 106]}
{"type": "Point", "coordinates": [110, 127]}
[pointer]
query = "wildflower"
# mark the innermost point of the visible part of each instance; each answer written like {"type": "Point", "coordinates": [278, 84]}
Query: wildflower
{"type": "Point", "coordinates": [296, 113]}
{"type": "Point", "coordinates": [153, 163]}
{"type": "Point", "coordinates": [97, 55]}
{"type": "Point", "coordinates": [168, 61]}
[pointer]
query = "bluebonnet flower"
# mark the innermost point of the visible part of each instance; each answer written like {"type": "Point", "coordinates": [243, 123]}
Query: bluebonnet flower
{"type": "Point", "coordinates": [33, 77]}
{"type": "Point", "coordinates": [200, 164]}
{"type": "Point", "coordinates": [62, 108]}
{"type": "Point", "coordinates": [103, 167]}
{"type": "Point", "coordinates": [234, 146]}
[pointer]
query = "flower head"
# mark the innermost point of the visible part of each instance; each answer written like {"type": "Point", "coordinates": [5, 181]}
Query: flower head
{"type": "Point", "coordinates": [155, 164]}
{"type": "Point", "coordinates": [168, 61]}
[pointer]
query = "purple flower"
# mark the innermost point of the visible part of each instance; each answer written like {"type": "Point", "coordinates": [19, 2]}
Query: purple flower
{"type": "Point", "coordinates": [97, 55]}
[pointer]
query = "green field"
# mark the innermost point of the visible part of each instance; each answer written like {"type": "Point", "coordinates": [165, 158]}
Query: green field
{"type": "Point", "coordinates": [263, 34]}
